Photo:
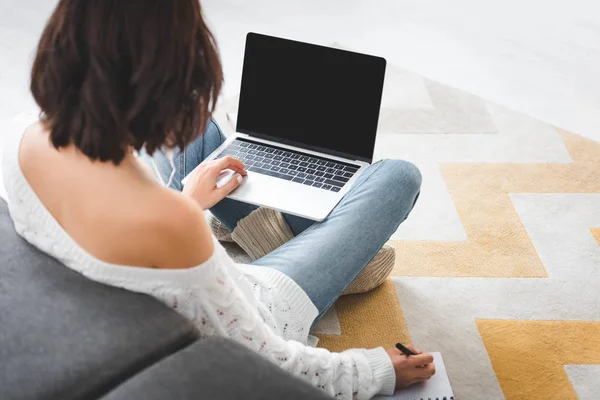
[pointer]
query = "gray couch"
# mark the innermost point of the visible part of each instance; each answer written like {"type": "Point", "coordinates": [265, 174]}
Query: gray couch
{"type": "Point", "coordinates": [63, 336]}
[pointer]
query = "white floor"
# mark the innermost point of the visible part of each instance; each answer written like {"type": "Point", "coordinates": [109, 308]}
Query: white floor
{"type": "Point", "coordinates": [539, 57]}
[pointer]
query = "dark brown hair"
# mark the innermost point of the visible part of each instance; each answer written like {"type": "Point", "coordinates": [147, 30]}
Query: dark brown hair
{"type": "Point", "coordinates": [113, 74]}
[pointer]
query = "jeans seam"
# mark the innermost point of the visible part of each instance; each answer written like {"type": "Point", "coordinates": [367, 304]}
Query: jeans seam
{"type": "Point", "coordinates": [354, 188]}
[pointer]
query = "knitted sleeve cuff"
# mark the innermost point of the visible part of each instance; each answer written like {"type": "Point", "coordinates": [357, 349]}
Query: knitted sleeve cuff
{"type": "Point", "coordinates": [383, 370]}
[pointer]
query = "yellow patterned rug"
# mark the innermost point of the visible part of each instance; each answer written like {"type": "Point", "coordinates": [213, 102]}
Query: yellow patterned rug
{"type": "Point", "coordinates": [379, 310]}
{"type": "Point", "coordinates": [498, 267]}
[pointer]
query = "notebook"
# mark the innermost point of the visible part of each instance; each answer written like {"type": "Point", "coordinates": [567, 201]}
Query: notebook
{"type": "Point", "coordinates": [436, 388]}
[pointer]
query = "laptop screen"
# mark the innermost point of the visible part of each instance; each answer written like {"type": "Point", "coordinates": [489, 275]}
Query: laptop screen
{"type": "Point", "coordinates": [311, 96]}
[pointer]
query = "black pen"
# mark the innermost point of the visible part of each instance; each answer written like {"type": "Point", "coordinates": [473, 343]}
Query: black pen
{"type": "Point", "coordinates": [406, 351]}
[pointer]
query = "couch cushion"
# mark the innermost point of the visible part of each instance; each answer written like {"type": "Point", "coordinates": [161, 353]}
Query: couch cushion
{"type": "Point", "coordinates": [215, 368]}
{"type": "Point", "coordinates": [63, 336]}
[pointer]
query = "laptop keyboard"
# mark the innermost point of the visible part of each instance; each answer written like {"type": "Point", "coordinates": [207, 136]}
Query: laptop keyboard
{"type": "Point", "coordinates": [291, 165]}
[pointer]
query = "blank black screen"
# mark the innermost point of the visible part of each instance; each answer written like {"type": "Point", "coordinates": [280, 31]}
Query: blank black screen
{"type": "Point", "coordinates": [312, 96]}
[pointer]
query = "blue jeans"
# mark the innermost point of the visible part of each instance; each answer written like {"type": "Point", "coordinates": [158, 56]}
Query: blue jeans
{"type": "Point", "coordinates": [324, 257]}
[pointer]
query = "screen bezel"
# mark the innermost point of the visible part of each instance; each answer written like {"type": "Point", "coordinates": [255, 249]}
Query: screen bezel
{"type": "Point", "coordinates": [376, 59]}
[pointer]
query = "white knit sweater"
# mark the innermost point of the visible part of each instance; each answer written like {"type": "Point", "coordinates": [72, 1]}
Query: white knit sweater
{"type": "Point", "coordinates": [258, 307]}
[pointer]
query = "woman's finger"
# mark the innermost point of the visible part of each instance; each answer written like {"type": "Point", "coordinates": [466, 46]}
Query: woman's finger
{"type": "Point", "coordinates": [421, 359]}
{"type": "Point", "coordinates": [233, 168]}
{"type": "Point", "coordinates": [229, 187]}
{"type": "Point", "coordinates": [231, 163]}
{"type": "Point", "coordinates": [426, 372]}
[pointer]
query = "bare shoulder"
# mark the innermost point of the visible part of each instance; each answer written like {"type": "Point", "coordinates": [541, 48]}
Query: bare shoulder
{"type": "Point", "coordinates": [177, 233]}
{"type": "Point", "coordinates": [112, 212]}
{"type": "Point", "coordinates": [34, 145]}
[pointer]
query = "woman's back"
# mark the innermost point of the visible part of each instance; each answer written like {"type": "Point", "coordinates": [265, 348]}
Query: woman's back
{"type": "Point", "coordinates": [134, 218]}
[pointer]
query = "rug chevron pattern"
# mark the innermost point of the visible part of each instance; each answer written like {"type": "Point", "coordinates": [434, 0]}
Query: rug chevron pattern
{"type": "Point", "coordinates": [596, 234]}
{"type": "Point", "coordinates": [498, 244]}
{"type": "Point", "coordinates": [499, 260]}
{"type": "Point", "coordinates": [378, 309]}
{"type": "Point", "coordinates": [501, 257]}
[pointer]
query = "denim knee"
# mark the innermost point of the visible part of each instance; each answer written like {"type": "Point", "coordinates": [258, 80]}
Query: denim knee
{"type": "Point", "coordinates": [403, 177]}
{"type": "Point", "coordinates": [397, 184]}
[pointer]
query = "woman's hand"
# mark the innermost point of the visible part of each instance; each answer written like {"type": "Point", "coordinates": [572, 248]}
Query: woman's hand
{"type": "Point", "coordinates": [202, 183]}
{"type": "Point", "coordinates": [411, 369]}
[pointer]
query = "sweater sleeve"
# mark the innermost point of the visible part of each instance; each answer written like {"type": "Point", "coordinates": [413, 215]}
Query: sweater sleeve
{"type": "Point", "coordinates": [221, 309]}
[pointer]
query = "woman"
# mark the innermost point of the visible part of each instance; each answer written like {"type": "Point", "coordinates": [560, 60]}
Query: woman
{"type": "Point", "coordinates": [114, 77]}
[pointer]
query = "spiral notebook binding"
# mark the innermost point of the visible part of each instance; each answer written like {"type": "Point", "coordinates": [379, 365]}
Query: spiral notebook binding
{"type": "Point", "coordinates": [437, 398]}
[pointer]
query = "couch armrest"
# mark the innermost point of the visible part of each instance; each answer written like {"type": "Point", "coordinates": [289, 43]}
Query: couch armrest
{"type": "Point", "coordinates": [215, 368]}
{"type": "Point", "coordinates": [63, 336]}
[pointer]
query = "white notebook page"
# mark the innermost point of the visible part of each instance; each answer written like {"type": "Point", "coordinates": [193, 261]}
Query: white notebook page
{"type": "Point", "coordinates": [436, 388]}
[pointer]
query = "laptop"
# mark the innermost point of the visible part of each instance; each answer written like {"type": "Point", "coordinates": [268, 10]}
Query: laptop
{"type": "Point", "coordinates": [306, 124]}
